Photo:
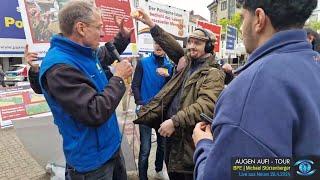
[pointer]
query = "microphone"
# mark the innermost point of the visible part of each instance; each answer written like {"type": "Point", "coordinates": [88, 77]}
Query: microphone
{"type": "Point", "coordinates": [113, 51]}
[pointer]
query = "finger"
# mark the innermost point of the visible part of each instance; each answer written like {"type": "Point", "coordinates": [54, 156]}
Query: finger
{"type": "Point", "coordinates": [32, 59]}
{"type": "Point", "coordinates": [121, 22]}
{"type": "Point", "coordinates": [26, 49]}
{"type": "Point", "coordinates": [116, 20]}
{"type": "Point", "coordinates": [131, 30]}
{"type": "Point", "coordinates": [129, 60]}
{"type": "Point", "coordinates": [33, 55]}
{"type": "Point", "coordinates": [208, 128]}
{"type": "Point", "coordinates": [198, 125]}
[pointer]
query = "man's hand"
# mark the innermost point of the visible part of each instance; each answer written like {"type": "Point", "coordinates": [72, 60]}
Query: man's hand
{"type": "Point", "coordinates": [201, 131]}
{"type": "Point", "coordinates": [181, 64]}
{"type": "Point", "coordinates": [163, 72]}
{"type": "Point", "coordinates": [125, 32]}
{"type": "Point", "coordinates": [166, 128]}
{"type": "Point", "coordinates": [123, 69]}
{"type": "Point", "coordinates": [30, 57]}
{"type": "Point", "coordinates": [143, 17]}
{"type": "Point", "coordinates": [227, 68]}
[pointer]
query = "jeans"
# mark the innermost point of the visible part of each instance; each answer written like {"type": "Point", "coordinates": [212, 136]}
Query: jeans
{"type": "Point", "coordinates": [113, 169]}
{"type": "Point", "coordinates": [145, 146]}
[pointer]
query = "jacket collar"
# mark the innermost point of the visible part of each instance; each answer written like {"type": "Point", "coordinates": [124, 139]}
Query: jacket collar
{"type": "Point", "coordinates": [158, 59]}
{"type": "Point", "coordinates": [278, 43]}
{"type": "Point", "coordinates": [66, 44]}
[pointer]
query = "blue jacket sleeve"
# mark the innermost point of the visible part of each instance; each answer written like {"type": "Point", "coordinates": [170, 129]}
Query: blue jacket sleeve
{"type": "Point", "coordinates": [136, 83]}
{"type": "Point", "coordinates": [259, 124]}
{"type": "Point", "coordinates": [213, 159]}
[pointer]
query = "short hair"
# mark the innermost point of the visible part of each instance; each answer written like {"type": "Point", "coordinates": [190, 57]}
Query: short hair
{"type": "Point", "coordinates": [73, 12]}
{"type": "Point", "coordinates": [284, 14]}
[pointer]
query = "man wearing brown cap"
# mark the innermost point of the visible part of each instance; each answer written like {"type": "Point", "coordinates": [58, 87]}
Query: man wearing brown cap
{"type": "Point", "coordinates": [191, 91]}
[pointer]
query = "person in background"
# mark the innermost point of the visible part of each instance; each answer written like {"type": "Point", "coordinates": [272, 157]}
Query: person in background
{"type": "Point", "coordinates": [314, 39]}
{"type": "Point", "coordinates": [2, 75]}
{"type": "Point", "coordinates": [81, 98]}
{"type": "Point", "coordinates": [272, 108]}
{"type": "Point", "coordinates": [151, 74]}
{"type": "Point", "coordinates": [193, 90]}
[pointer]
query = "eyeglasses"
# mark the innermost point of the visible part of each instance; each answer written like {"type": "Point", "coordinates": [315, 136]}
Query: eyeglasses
{"type": "Point", "coordinates": [98, 27]}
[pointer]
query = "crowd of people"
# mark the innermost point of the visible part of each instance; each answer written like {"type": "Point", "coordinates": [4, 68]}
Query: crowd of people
{"type": "Point", "coordinates": [271, 107]}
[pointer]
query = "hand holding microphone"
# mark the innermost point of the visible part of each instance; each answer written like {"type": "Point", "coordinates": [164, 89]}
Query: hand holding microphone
{"type": "Point", "coordinates": [121, 67]}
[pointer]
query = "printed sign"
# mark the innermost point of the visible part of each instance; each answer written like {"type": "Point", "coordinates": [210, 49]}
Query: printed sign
{"type": "Point", "coordinates": [12, 38]}
{"type": "Point", "coordinates": [40, 18]}
{"type": "Point", "coordinates": [171, 19]}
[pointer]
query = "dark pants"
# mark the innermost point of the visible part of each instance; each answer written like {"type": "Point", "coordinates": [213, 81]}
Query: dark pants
{"type": "Point", "coordinates": [174, 175]}
{"type": "Point", "coordinates": [180, 176]}
{"type": "Point", "coordinates": [113, 169]}
{"type": "Point", "coordinates": [145, 146]}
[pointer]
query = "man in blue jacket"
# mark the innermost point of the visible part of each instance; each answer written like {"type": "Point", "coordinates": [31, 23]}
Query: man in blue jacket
{"type": "Point", "coordinates": [272, 108]}
{"type": "Point", "coordinates": [80, 97]}
{"type": "Point", "coordinates": [150, 76]}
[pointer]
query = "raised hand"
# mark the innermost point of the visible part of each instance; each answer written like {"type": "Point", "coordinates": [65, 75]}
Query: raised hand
{"type": "Point", "coordinates": [140, 15]}
{"type": "Point", "coordinates": [125, 32]}
{"type": "Point", "coordinates": [30, 57]}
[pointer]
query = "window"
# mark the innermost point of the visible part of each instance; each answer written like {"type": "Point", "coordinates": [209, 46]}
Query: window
{"type": "Point", "coordinates": [223, 5]}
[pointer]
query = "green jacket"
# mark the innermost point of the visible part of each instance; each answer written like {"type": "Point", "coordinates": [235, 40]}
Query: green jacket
{"type": "Point", "coordinates": [199, 95]}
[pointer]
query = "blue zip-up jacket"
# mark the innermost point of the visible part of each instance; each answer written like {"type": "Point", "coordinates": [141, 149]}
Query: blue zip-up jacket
{"type": "Point", "coordinates": [146, 81]}
{"type": "Point", "coordinates": [272, 109]}
{"type": "Point", "coordinates": [85, 148]}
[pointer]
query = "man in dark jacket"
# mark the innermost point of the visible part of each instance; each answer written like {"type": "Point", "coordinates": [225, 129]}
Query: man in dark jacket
{"type": "Point", "coordinates": [81, 98]}
{"type": "Point", "coordinates": [176, 109]}
{"type": "Point", "coordinates": [272, 108]}
{"type": "Point", "coordinates": [120, 41]}
{"type": "Point", "coordinates": [150, 76]}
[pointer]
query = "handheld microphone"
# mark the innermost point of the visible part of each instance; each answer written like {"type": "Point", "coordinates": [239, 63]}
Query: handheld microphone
{"type": "Point", "coordinates": [111, 48]}
{"type": "Point", "coordinates": [206, 118]}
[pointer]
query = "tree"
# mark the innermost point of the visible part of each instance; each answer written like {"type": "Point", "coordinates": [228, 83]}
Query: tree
{"type": "Point", "coordinates": [235, 21]}
{"type": "Point", "coordinates": [315, 25]}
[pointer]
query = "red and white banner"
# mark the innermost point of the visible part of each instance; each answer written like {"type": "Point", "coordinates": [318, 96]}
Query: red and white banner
{"type": "Point", "coordinates": [40, 19]}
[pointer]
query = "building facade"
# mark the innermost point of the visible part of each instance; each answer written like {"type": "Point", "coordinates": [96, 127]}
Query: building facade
{"type": "Point", "coordinates": [193, 18]}
{"type": "Point", "coordinates": [316, 13]}
{"type": "Point", "coordinates": [220, 9]}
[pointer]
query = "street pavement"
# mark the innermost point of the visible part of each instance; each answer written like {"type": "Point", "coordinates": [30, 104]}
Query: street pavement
{"type": "Point", "coordinates": [16, 162]}
{"type": "Point", "coordinates": [38, 142]}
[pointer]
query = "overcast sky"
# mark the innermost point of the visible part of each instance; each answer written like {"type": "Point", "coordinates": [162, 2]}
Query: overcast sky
{"type": "Point", "coordinates": [198, 6]}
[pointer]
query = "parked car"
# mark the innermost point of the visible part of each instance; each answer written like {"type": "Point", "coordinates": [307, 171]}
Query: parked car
{"type": "Point", "coordinates": [16, 73]}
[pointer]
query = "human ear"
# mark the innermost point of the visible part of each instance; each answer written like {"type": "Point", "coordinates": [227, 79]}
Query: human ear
{"type": "Point", "coordinates": [79, 28]}
{"type": "Point", "coordinates": [260, 20]}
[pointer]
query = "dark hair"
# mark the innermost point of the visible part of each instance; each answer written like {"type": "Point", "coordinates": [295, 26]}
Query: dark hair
{"type": "Point", "coordinates": [284, 14]}
{"type": "Point", "coordinates": [316, 42]}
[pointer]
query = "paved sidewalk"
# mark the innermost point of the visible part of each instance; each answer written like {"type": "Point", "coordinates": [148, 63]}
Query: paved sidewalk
{"type": "Point", "coordinates": [15, 162]}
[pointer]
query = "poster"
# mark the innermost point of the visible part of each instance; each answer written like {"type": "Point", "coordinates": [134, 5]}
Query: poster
{"type": "Point", "coordinates": [231, 38]}
{"type": "Point", "coordinates": [216, 29]}
{"type": "Point", "coordinates": [19, 102]}
{"type": "Point", "coordinates": [171, 19]}
{"type": "Point", "coordinates": [40, 18]}
{"type": "Point", "coordinates": [12, 38]}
